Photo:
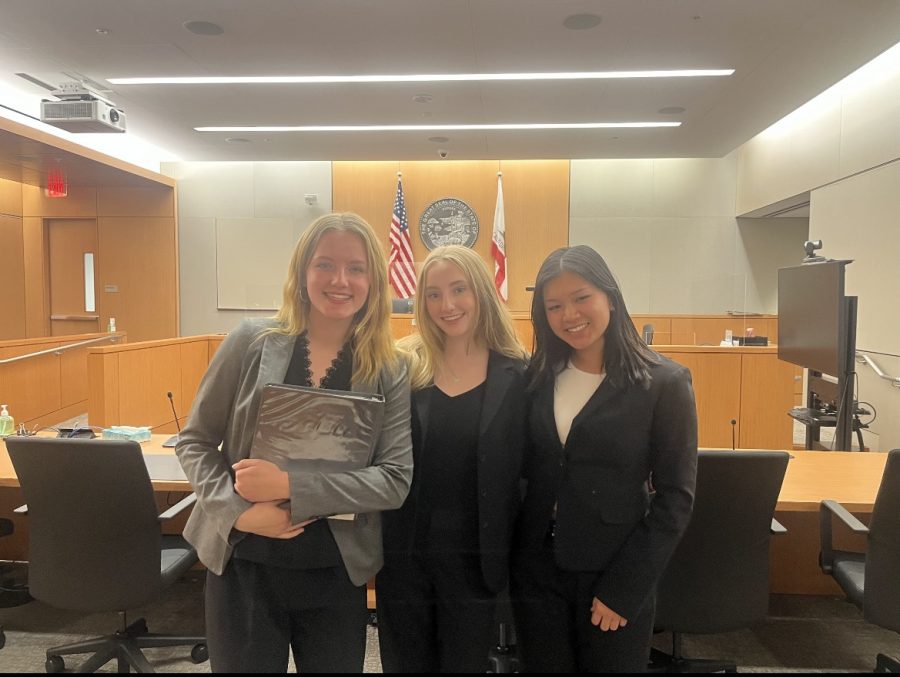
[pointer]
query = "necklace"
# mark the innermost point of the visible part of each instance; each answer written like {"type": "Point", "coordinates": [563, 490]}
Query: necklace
{"type": "Point", "coordinates": [452, 374]}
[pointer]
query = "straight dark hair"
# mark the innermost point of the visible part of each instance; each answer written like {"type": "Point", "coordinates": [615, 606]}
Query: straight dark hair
{"type": "Point", "coordinates": [626, 357]}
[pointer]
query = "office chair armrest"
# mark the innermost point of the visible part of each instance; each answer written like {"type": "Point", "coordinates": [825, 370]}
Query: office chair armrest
{"type": "Point", "coordinates": [185, 502]}
{"type": "Point", "coordinates": [828, 508]}
{"type": "Point", "coordinates": [21, 510]}
{"type": "Point", "coordinates": [777, 528]}
{"type": "Point", "coordinates": [845, 516]}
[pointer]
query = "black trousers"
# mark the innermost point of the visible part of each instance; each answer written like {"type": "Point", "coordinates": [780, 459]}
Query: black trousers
{"type": "Point", "coordinates": [434, 614]}
{"type": "Point", "coordinates": [554, 633]}
{"type": "Point", "coordinates": [255, 613]}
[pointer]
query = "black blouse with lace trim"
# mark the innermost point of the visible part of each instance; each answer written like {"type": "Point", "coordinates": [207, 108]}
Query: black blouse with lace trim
{"type": "Point", "coordinates": [315, 547]}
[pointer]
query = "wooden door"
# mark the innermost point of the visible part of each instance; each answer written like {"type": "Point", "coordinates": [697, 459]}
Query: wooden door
{"type": "Point", "coordinates": [73, 272]}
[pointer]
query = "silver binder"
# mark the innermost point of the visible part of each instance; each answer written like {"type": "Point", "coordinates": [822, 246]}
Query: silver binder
{"type": "Point", "coordinates": [315, 429]}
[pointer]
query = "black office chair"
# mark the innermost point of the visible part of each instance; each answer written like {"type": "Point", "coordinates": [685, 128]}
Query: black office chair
{"type": "Point", "coordinates": [870, 579]}
{"type": "Point", "coordinates": [95, 542]}
{"type": "Point", "coordinates": [718, 577]}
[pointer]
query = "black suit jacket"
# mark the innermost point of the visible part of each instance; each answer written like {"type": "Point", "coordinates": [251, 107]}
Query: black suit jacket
{"type": "Point", "coordinates": [607, 520]}
{"type": "Point", "coordinates": [501, 440]}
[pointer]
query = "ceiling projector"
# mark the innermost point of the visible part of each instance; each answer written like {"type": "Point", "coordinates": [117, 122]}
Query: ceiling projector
{"type": "Point", "coordinates": [81, 109]}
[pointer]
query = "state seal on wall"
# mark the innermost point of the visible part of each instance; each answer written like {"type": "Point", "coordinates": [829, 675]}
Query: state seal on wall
{"type": "Point", "coordinates": [448, 221]}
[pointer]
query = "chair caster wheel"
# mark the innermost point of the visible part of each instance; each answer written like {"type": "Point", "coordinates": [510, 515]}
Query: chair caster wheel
{"type": "Point", "coordinates": [199, 653]}
{"type": "Point", "coordinates": [55, 664]}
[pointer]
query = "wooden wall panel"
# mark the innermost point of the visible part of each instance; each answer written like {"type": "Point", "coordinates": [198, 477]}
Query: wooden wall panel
{"type": "Point", "coordinates": [10, 197]}
{"type": "Point", "coordinates": [36, 275]}
{"type": "Point", "coordinates": [710, 330]}
{"type": "Point", "coordinates": [81, 201]}
{"type": "Point", "coordinates": [194, 360]}
{"type": "Point", "coordinates": [144, 378]}
{"type": "Point", "coordinates": [368, 189]}
{"type": "Point", "coordinates": [717, 388]}
{"type": "Point", "coordinates": [767, 394]}
{"type": "Point", "coordinates": [401, 325]}
{"type": "Point", "coordinates": [103, 388]}
{"type": "Point", "coordinates": [31, 387]}
{"type": "Point", "coordinates": [136, 201]}
{"type": "Point", "coordinates": [662, 327]}
{"type": "Point", "coordinates": [536, 199]}
{"type": "Point", "coordinates": [138, 256]}
{"type": "Point", "coordinates": [12, 278]}
{"type": "Point", "coordinates": [73, 379]}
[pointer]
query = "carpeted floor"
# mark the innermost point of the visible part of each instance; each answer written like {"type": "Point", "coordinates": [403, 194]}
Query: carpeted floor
{"type": "Point", "coordinates": [802, 634]}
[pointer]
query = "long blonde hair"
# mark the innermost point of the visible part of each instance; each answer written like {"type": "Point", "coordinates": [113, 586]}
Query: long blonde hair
{"type": "Point", "coordinates": [492, 327]}
{"type": "Point", "coordinates": [371, 339]}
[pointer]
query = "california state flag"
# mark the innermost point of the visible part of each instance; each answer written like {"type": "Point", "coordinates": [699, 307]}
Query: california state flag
{"type": "Point", "coordinates": [498, 245]}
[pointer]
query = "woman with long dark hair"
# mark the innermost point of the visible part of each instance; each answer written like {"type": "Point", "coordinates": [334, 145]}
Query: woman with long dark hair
{"type": "Point", "coordinates": [610, 475]}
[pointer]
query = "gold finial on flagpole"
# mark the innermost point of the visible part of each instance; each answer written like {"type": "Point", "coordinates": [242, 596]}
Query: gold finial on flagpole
{"type": "Point", "coordinates": [499, 174]}
{"type": "Point", "coordinates": [399, 175]}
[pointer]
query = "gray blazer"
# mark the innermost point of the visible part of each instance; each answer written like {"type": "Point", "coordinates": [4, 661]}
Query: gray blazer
{"type": "Point", "coordinates": [224, 412]}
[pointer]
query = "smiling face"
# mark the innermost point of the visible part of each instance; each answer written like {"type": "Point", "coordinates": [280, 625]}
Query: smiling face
{"type": "Point", "coordinates": [578, 313]}
{"type": "Point", "coordinates": [337, 278]}
{"type": "Point", "coordinates": [450, 300]}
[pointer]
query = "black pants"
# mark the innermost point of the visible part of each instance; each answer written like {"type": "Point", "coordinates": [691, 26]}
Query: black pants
{"type": "Point", "coordinates": [434, 614]}
{"type": "Point", "coordinates": [256, 612]}
{"type": "Point", "coordinates": [553, 622]}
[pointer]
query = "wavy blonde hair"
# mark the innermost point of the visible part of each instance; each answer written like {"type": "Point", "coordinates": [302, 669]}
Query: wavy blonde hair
{"type": "Point", "coordinates": [492, 327]}
{"type": "Point", "coordinates": [371, 339]}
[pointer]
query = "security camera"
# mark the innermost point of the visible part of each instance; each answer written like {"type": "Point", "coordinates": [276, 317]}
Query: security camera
{"type": "Point", "coordinates": [443, 154]}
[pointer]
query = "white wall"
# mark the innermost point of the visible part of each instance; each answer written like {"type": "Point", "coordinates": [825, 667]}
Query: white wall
{"type": "Point", "coordinates": [668, 231]}
{"type": "Point", "coordinates": [847, 129]}
{"type": "Point", "coordinates": [259, 192]}
{"type": "Point", "coordinates": [843, 147]}
{"type": "Point", "coordinates": [859, 218]}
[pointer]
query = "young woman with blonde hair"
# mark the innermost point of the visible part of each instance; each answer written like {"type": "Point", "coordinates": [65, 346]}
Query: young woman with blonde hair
{"type": "Point", "coordinates": [447, 548]}
{"type": "Point", "coordinates": [278, 579]}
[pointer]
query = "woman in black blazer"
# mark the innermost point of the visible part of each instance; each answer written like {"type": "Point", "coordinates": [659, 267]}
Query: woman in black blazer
{"type": "Point", "coordinates": [610, 475]}
{"type": "Point", "coordinates": [447, 548]}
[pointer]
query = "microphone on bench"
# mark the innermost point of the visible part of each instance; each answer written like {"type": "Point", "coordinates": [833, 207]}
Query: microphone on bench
{"type": "Point", "coordinates": [172, 441]}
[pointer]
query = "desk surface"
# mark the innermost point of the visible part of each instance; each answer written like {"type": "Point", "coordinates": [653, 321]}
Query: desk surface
{"type": "Point", "coordinates": [151, 447]}
{"type": "Point", "coordinates": [851, 478]}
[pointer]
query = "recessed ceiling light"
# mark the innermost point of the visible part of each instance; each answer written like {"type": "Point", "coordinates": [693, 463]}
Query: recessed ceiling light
{"type": "Point", "coordinates": [439, 77]}
{"type": "Point", "coordinates": [422, 98]}
{"type": "Point", "coordinates": [419, 128]}
{"type": "Point", "coordinates": [672, 110]}
{"type": "Point", "coordinates": [438, 139]}
{"type": "Point", "coordinates": [203, 28]}
{"type": "Point", "coordinates": [580, 22]}
{"type": "Point", "coordinates": [103, 31]}
{"type": "Point", "coordinates": [237, 139]}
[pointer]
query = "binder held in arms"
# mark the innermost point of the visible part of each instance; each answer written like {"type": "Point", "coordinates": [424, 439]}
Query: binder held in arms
{"type": "Point", "coordinates": [305, 429]}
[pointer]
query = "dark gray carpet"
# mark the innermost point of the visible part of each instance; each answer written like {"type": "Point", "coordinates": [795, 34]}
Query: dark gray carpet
{"type": "Point", "coordinates": [802, 634]}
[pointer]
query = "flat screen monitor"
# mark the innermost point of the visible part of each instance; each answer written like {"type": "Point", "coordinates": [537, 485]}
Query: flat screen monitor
{"type": "Point", "coordinates": [812, 316]}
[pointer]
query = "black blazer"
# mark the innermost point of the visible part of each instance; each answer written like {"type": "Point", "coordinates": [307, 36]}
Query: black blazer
{"type": "Point", "coordinates": [500, 452]}
{"type": "Point", "coordinates": [606, 519]}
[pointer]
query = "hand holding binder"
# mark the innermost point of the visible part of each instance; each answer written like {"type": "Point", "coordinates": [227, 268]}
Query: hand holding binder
{"type": "Point", "coordinates": [316, 430]}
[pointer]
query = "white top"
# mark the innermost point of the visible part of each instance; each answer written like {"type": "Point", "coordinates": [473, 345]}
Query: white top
{"type": "Point", "coordinates": [571, 392]}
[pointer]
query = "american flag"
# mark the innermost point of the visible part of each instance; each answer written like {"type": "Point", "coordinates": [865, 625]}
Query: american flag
{"type": "Point", "coordinates": [403, 273]}
{"type": "Point", "coordinates": [498, 245]}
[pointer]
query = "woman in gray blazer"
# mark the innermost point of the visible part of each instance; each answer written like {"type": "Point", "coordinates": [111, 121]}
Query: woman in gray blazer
{"type": "Point", "coordinates": [279, 577]}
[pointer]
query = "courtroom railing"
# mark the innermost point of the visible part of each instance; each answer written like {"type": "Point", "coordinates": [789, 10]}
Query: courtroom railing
{"type": "Point", "coordinates": [44, 380]}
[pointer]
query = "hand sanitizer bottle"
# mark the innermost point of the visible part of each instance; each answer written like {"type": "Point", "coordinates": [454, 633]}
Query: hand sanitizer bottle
{"type": "Point", "coordinates": [112, 325]}
{"type": "Point", "coordinates": [7, 424]}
